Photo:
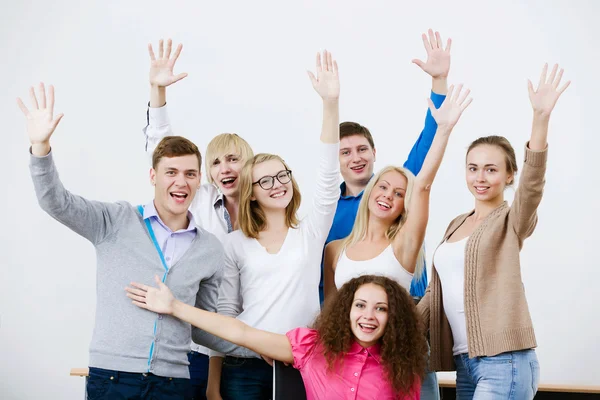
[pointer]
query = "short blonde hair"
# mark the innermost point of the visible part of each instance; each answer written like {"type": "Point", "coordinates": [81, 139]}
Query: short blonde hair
{"type": "Point", "coordinates": [251, 218]}
{"type": "Point", "coordinates": [223, 143]}
{"type": "Point", "coordinates": [359, 230]}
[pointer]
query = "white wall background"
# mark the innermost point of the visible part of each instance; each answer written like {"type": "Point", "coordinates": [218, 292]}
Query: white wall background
{"type": "Point", "coordinates": [246, 63]}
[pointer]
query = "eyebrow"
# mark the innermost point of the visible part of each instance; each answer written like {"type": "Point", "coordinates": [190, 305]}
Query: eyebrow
{"type": "Point", "coordinates": [486, 165]}
{"type": "Point", "coordinates": [175, 169]}
{"type": "Point", "coordinates": [380, 302]}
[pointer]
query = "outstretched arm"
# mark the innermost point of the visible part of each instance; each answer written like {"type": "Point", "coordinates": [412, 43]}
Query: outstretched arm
{"type": "Point", "coordinates": [523, 210]}
{"type": "Point", "coordinates": [408, 243]}
{"type": "Point", "coordinates": [438, 67]}
{"type": "Point", "coordinates": [160, 76]}
{"type": "Point", "coordinates": [162, 301]}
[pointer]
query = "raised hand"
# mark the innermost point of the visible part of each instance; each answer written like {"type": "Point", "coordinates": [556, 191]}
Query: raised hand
{"type": "Point", "coordinates": [452, 108]}
{"type": "Point", "coordinates": [40, 120]}
{"type": "Point", "coordinates": [438, 58]}
{"type": "Point", "coordinates": [160, 300]}
{"type": "Point", "coordinates": [161, 68]}
{"type": "Point", "coordinates": [326, 83]}
{"type": "Point", "coordinates": [544, 98]}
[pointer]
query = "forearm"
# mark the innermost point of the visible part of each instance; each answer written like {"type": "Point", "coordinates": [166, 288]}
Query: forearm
{"type": "Point", "coordinates": [330, 132]}
{"type": "Point", "coordinates": [439, 85]}
{"type": "Point", "coordinates": [433, 159]}
{"type": "Point", "coordinates": [539, 132]}
{"type": "Point", "coordinates": [215, 366]}
{"type": "Point", "coordinates": [158, 96]}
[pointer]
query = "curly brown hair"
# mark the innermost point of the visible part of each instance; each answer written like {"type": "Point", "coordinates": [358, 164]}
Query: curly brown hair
{"type": "Point", "coordinates": [403, 344]}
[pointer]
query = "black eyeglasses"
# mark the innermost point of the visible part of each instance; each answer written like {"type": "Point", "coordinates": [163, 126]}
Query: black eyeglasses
{"type": "Point", "coordinates": [267, 182]}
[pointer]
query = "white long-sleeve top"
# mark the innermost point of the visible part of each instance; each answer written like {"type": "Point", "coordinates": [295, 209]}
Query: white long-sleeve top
{"type": "Point", "coordinates": [279, 292]}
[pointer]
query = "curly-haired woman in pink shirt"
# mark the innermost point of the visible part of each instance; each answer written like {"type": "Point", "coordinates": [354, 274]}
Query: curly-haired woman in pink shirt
{"type": "Point", "coordinates": [366, 343]}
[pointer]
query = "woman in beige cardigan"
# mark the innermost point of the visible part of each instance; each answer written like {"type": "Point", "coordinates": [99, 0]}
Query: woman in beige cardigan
{"type": "Point", "coordinates": [475, 305]}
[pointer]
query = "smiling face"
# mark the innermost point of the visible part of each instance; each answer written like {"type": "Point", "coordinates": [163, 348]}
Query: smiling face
{"type": "Point", "coordinates": [225, 170]}
{"type": "Point", "coordinates": [386, 200]}
{"type": "Point", "coordinates": [268, 173]}
{"type": "Point", "coordinates": [369, 314]}
{"type": "Point", "coordinates": [357, 159]}
{"type": "Point", "coordinates": [175, 181]}
{"type": "Point", "coordinates": [487, 174]}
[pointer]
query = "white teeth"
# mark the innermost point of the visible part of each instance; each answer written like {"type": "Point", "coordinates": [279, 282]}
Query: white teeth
{"type": "Point", "coordinates": [227, 180]}
{"type": "Point", "coordinates": [179, 194]}
{"type": "Point", "coordinates": [359, 167]}
{"type": "Point", "coordinates": [383, 204]}
{"type": "Point", "coordinates": [277, 195]}
{"type": "Point", "coordinates": [368, 326]}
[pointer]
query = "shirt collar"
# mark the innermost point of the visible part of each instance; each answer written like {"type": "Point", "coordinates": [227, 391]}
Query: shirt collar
{"type": "Point", "coordinates": [219, 201]}
{"type": "Point", "coordinates": [374, 351]}
{"type": "Point", "coordinates": [150, 211]}
{"type": "Point", "coordinates": [343, 190]}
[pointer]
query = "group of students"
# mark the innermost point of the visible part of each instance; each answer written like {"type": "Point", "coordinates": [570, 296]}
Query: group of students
{"type": "Point", "coordinates": [232, 259]}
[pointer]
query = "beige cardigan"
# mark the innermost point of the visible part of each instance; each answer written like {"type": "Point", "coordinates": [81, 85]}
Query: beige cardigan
{"type": "Point", "coordinates": [496, 311]}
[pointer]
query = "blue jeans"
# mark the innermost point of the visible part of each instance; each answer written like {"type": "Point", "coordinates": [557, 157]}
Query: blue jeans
{"type": "Point", "coordinates": [513, 375]}
{"type": "Point", "coordinates": [430, 389]}
{"type": "Point", "coordinates": [105, 384]}
{"type": "Point", "coordinates": [246, 379]}
{"type": "Point", "coordinates": [198, 375]}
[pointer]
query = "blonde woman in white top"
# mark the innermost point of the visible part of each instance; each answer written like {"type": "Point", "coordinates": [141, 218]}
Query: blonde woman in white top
{"type": "Point", "coordinates": [272, 271]}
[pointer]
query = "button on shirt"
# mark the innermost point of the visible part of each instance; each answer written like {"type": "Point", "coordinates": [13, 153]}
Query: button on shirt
{"type": "Point", "coordinates": [172, 244]}
{"type": "Point", "coordinates": [362, 376]}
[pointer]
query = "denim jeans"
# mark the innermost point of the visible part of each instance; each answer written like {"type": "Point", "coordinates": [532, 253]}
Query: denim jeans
{"type": "Point", "coordinates": [105, 384]}
{"type": "Point", "coordinates": [513, 375]}
{"type": "Point", "coordinates": [198, 375]}
{"type": "Point", "coordinates": [246, 379]}
{"type": "Point", "coordinates": [430, 389]}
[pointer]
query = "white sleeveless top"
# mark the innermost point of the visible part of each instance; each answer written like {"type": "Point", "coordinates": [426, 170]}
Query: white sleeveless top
{"type": "Point", "coordinates": [449, 261]}
{"type": "Point", "coordinates": [385, 264]}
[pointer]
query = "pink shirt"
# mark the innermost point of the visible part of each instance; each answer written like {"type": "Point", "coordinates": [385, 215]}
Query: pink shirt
{"type": "Point", "coordinates": [362, 376]}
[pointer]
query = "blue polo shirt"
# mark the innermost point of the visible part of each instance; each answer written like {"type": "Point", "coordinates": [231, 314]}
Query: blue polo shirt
{"type": "Point", "coordinates": [347, 206]}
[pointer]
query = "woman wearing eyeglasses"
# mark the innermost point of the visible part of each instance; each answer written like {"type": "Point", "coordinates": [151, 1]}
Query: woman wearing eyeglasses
{"type": "Point", "coordinates": [272, 267]}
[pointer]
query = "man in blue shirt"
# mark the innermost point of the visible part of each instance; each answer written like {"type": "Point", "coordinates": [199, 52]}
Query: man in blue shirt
{"type": "Point", "coordinates": [357, 151]}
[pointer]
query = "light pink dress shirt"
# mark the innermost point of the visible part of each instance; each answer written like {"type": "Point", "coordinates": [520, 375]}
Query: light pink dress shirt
{"type": "Point", "coordinates": [361, 377]}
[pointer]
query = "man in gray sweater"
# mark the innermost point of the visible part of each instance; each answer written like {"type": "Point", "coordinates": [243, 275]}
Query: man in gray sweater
{"type": "Point", "coordinates": [134, 352]}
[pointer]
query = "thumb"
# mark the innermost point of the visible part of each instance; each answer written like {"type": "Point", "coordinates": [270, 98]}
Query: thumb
{"type": "Point", "coordinates": [57, 120]}
{"type": "Point", "coordinates": [179, 77]}
{"type": "Point", "coordinates": [419, 63]}
{"type": "Point", "coordinates": [312, 77]}
{"type": "Point", "coordinates": [530, 87]}
{"type": "Point", "coordinates": [157, 280]}
{"type": "Point", "coordinates": [431, 106]}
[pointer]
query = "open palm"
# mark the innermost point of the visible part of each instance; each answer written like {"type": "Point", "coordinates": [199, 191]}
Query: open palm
{"type": "Point", "coordinates": [438, 58]}
{"type": "Point", "coordinates": [160, 300]}
{"type": "Point", "coordinates": [544, 98]}
{"type": "Point", "coordinates": [326, 83]}
{"type": "Point", "coordinates": [40, 120]}
{"type": "Point", "coordinates": [161, 67]}
{"type": "Point", "coordinates": [452, 108]}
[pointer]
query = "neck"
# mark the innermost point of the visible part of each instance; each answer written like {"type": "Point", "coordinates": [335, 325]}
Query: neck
{"type": "Point", "coordinates": [354, 189]}
{"type": "Point", "coordinates": [174, 222]}
{"type": "Point", "coordinates": [276, 220]}
{"type": "Point", "coordinates": [484, 208]}
{"type": "Point", "coordinates": [376, 229]}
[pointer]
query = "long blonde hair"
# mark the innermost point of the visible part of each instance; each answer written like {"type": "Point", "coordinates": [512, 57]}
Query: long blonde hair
{"type": "Point", "coordinates": [220, 145]}
{"type": "Point", "coordinates": [251, 217]}
{"type": "Point", "coordinates": [359, 230]}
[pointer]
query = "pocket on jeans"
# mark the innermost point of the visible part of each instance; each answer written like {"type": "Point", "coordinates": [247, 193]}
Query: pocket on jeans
{"type": "Point", "coordinates": [535, 375]}
{"type": "Point", "coordinates": [502, 358]}
{"type": "Point", "coordinates": [96, 388]}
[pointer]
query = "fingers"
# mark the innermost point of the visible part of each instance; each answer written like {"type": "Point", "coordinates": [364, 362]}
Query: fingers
{"type": "Point", "coordinates": [33, 99]}
{"type": "Point", "coordinates": [448, 45]}
{"type": "Point", "coordinates": [530, 88]}
{"type": "Point", "coordinates": [168, 49]}
{"type": "Point", "coordinates": [432, 40]}
{"type": "Point", "coordinates": [464, 105]}
{"type": "Point", "coordinates": [553, 73]}
{"type": "Point", "coordinates": [312, 78]}
{"type": "Point", "coordinates": [329, 62]}
{"type": "Point", "coordinates": [426, 42]}
{"type": "Point", "coordinates": [431, 105]}
{"type": "Point", "coordinates": [457, 93]}
{"type": "Point", "coordinates": [157, 280]}
{"type": "Point", "coordinates": [140, 305]}
{"type": "Point", "coordinates": [160, 48]}
{"type": "Point", "coordinates": [56, 121]}
{"type": "Point", "coordinates": [177, 52]}
{"type": "Point", "coordinates": [464, 96]}
{"type": "Point", "coordinates": [179, 77]}
{"type": "Point", "coordinates": [543, 75]}
{"type": "Point", "coordinates": [136, 298]}
{"type": "Point", "coordinates": [136, 292]}
{"type": "Point", "coordinates": [151, 52]}
{"type": "Point", "coordinates": [438, 40]}
{"type": "Point", "coordinates": [450, 91]}
{"type": "Point", "coordinates": [335, 67]}
{"type": "Point", "coordinates": [51, 101]}
{"type": "Point", "coordinates": [564, 87]}
{"type": "Point", "coordinates": [42, 95]}
{"type": "Point", "coordinates": [22, 107]}
{"type": "Point", "coordinates": [319, 66]}
{"type": "Point", "coordinates": [140, 286]}
{"type": "Point", "coordinates": [558, 78]}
